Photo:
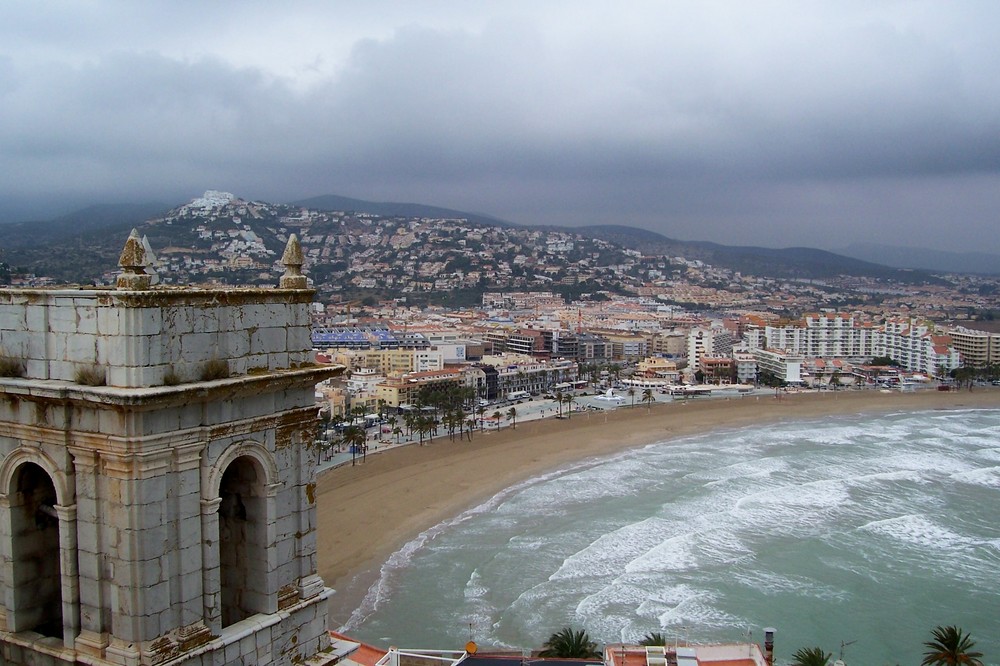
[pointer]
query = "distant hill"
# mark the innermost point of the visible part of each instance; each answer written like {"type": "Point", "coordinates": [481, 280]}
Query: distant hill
{"type": "Point", "coordinates": [925, 258]}
{"type": "Point", "coordinates": [793, 262]}
{"type": "Point", "coordinates": [333, 202]}
{"type": "Point", "coordinates": [806, 263]}
{"type": "Point", "coordinates": [74, 247]}
{"type": "Point", "coordinates": [92, 219]}
{"type": "Point", "coordinates": [82, 245]}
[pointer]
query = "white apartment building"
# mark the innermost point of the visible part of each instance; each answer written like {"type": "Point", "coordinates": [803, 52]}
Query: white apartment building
{"type": "Point", "coordinates": [746, 367]}
{"type": "Point", "coordinates": [916, 346]}
{"type": "Point", "coordinates": [835, 335]}
{"type": "Point", "coordinates": [699, 344]}
{"type": "Point", "coordinates": [783, 364]}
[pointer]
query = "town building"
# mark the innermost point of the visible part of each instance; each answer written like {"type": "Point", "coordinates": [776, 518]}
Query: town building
{"type": "Point", "coordinates": [785, 366]}
{"type": "Point", "coordinates": [978, 349]}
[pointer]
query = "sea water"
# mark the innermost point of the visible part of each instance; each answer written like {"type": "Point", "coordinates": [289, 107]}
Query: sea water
{"type": "Point", "coordinates": [854, 534]}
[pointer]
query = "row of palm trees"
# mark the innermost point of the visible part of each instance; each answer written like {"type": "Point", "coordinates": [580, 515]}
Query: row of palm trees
{"type": "Point", "coordinates": [949, 646]}
{"type": "Point", "coordinates": [449, 407]}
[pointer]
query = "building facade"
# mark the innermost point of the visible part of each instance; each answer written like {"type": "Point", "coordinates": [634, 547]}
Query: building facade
{"type": "Point", "coordinates": [156, 487]}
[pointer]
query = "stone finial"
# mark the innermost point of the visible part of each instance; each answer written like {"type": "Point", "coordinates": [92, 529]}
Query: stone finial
{"type": "Point", "coordinates": [133, 263]}
{"type": "Point", "coordinates": [292, 259]}
{"type": "Point", "coordinates": [150, 261]}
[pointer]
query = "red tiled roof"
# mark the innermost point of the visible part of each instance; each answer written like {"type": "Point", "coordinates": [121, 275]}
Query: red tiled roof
{"type": "Point", "coordinates": [366, 655]}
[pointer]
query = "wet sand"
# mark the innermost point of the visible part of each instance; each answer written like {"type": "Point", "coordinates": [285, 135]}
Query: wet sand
{"type": "Point", "coordinates": [369, 511]}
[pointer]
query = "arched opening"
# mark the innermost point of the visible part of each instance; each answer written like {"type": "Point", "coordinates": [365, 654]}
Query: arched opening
{"type": "Point", "coordinates": [37, 578]}
{"type": "Point", "coordinates": [242, 541]}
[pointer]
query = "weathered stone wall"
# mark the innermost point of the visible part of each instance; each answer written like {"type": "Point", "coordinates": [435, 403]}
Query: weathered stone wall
{"type": "Point", "coordinates": [140, 339]}
{"type": "Point", "coordinates": [137, 468]}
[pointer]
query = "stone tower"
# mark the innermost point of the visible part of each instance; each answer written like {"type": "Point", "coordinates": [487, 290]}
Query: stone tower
{"type": "Point", "coordinates": [156, 479]}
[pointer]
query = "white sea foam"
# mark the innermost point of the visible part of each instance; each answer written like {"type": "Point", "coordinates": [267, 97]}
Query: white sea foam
{"type": "Point", "coordinates": [988, 477]}
{"type": "Point", "coordinates": [989, 453]}
{"type": "Point", "coordinates": [918, 530]}
{"type": "Point", "coordinates": [665, 537]}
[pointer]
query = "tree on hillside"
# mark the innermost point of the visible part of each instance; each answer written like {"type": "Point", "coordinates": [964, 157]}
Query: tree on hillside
{"type": "Point", "coordinates": [950, 647]}
{"type": "Point", "coordinates": [570, 644]}
{"type": "Point", "coordinates": [812, 656]}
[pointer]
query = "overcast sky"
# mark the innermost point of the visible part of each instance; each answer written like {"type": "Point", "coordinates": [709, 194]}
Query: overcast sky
{"type": "Point", "coordinates": [766, 123]}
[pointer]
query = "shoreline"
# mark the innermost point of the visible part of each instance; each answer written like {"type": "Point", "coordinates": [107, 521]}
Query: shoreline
{"type": "Point", "coordinates": [368, 512]}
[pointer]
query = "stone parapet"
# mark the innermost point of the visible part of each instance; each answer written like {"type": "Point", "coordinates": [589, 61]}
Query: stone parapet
{"type": "Point", "coordinates": [136, 339]}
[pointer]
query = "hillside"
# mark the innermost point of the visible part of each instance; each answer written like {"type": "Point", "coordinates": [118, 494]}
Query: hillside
{"type": "Point", "coordinates": [792, 263]}
{"type": "Point", "coordinates": [357, 246]}
{"type": "Point", "coordinates": [925, 258]}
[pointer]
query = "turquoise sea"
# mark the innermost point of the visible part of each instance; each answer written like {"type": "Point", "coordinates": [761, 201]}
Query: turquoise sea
{"type": "Point", "coordinates": [849, 533]}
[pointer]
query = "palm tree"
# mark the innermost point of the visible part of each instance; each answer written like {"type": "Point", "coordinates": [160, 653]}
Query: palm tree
{"type": "Point", "coordinates": [512, 415]}
{"type": "Point", "coordinates": [813, 656]}
{"type": "Point", "coordinates": [950, 647]}
{"type": "Point", "coordinates": [559, 402]}
{"type": "Point", "coordinates": [631, 394]}
{"type": "Point", "coordinates": [569, 400]}
{"type": "Point", "coordinates": [653, 638]}
{"type": "Point", "coordinates": [496, 418]}
{"type": "Point", "coordinates": [354, 437]}
{"type": "Point", "coordinates": [648, 397]}
{"type": "Point", "coordinates": [569, 644]}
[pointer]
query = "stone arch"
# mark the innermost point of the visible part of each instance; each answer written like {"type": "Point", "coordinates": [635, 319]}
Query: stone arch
{"type": "Point", "coordinates": [35, 455]}
{"type": "Point", "coordinates": [213, 479]}
{"type": "Point", "coordinates": [34, 577]}
{"type": "Point", "coordinates": [242, 483]}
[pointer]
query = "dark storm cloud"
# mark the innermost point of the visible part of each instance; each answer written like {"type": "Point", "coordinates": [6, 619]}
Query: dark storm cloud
{"type": "Point", "coordinates": [771, 123]}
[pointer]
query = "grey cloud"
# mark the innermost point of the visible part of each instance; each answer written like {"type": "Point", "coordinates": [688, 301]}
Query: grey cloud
{"type": "Point", "coordinates": [769, 123]}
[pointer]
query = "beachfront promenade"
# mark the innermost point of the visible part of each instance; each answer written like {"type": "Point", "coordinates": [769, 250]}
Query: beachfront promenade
{"type": "Point", "coordinates": [584, 406]}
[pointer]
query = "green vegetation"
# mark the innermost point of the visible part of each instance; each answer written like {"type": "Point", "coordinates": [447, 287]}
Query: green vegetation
{"type": "Point", "coordinates": [171, 378]}
{"type": "Point", "coordinates": [214, 369]}
{"type": "Point", "coordinates": [812, 656]}
{"type": "Point", "coordinates": [950, 647]}
{"type": "Point", "coordinates": [11, 367]}
{"type": "Point", "coordinates": [90, 376]}
{"type": "Point", "coordinates": [653, 638]}
{"type": "Point", "coordinates": [568, 643]}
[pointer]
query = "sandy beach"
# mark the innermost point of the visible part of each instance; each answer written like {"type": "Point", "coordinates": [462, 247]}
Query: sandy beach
{"type": "Point", "coordinates": [367, 512]}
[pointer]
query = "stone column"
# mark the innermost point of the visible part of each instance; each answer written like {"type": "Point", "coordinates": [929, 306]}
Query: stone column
{"type": "Point", "coordinates": [6, 564]}
{"type": "Point", "coordinates": [309, 582]}
{"type": "Point", "coordinates": [69, 573]}
{"type": "Point", "coordinates": [188, 580]}
{"type": "Point", "coordinates": [93, 635]}
{"type": "Point", "coordinates": [211, 583]}
{"type": "Point", "coordinates": [271, 549]}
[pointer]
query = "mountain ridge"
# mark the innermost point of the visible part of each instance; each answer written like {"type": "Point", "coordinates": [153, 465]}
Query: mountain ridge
{"type": "Point", "coordinates": [44, 246]}
{"type": "Point", "coordinates": [925, 258]}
